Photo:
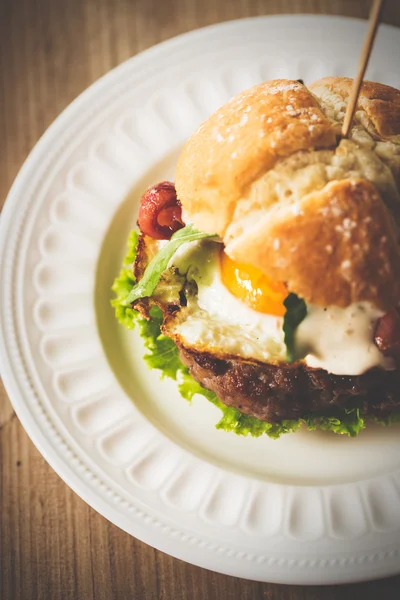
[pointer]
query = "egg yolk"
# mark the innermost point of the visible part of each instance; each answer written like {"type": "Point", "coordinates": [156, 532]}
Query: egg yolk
{"type": "Point", "coordinates": [252, 286]}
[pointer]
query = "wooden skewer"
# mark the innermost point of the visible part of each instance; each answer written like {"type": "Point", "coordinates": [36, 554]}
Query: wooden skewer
{"type": "Point", "coordinates": [374, 17]}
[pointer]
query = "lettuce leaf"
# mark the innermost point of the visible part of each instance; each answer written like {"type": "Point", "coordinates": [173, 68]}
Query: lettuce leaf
{"type": "Point", "coordinates": [123, 284]}
{"type": "Point", "coordinates": [348, 422]}
{"type": "Point", "coordinates": [162, 354]}
{"type": "Point", "coordinates": [392, 419]}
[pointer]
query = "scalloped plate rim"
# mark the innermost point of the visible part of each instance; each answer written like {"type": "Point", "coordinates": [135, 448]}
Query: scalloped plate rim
{"type": "Point", "coordinates": [58, 462]}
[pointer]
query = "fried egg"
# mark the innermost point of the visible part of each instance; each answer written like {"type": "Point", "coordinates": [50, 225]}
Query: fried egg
{"type": "Point", "coordinates": [218, 319]}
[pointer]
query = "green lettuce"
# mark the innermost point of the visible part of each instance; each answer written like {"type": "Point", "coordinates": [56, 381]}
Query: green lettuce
{"type": "Point", "coordinates": [162, 354]}
{"type": "Point", "coordinates": [123, 285]}
{"type": "Point", "coordinates": [392, 419]}
{"type": "Point", "coordinates": [348, 421]}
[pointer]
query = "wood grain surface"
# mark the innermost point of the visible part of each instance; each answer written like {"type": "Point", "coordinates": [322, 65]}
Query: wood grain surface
{"type": "Point", "coordinates": [53, 546]}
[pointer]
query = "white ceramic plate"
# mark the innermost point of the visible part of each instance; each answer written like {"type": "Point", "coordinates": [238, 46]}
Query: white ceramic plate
{"type": "Point", "coordinates": [308, 508]}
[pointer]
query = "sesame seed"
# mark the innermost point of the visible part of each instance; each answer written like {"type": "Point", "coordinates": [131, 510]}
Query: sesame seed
{"type": "Point", "coordinates": [348, 224]}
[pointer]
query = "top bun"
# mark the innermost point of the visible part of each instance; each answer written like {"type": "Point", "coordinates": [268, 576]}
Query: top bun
{"type": "Point", "coordinates": [267, 174]}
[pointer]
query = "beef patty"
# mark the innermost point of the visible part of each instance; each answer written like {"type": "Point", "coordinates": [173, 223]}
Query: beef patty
{"type": "Point", "coordinates": [275, 392]}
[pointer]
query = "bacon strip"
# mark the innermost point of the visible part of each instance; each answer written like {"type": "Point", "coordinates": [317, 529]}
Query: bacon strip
{"type": "Point", "coordinates": [387, 334]}
{"type": "Point", "coordinates": [160, 213]}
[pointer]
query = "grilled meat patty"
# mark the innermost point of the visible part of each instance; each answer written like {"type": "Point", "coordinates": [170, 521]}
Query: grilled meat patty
{"type": "Point", "coordinates": [274, 392]}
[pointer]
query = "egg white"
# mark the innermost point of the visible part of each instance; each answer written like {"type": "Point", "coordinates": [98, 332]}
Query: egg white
{"type": "Point", "coordinates": [220, 320]}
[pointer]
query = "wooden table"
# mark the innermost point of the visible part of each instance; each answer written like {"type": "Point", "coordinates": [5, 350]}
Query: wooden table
{"type": "Point", "coordinates": [53, 546]}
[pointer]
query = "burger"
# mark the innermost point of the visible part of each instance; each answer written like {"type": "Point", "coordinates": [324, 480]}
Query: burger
{"type": "Point", "coordinates": [267, 276]}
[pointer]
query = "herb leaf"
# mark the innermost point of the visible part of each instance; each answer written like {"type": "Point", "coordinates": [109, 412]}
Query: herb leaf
{"type": "Point", "coordinates": [296, 310]}
{"type": "Point", "coordinates": [146, 286]}
{"type": "Point", "coordinates": [123, 284]}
